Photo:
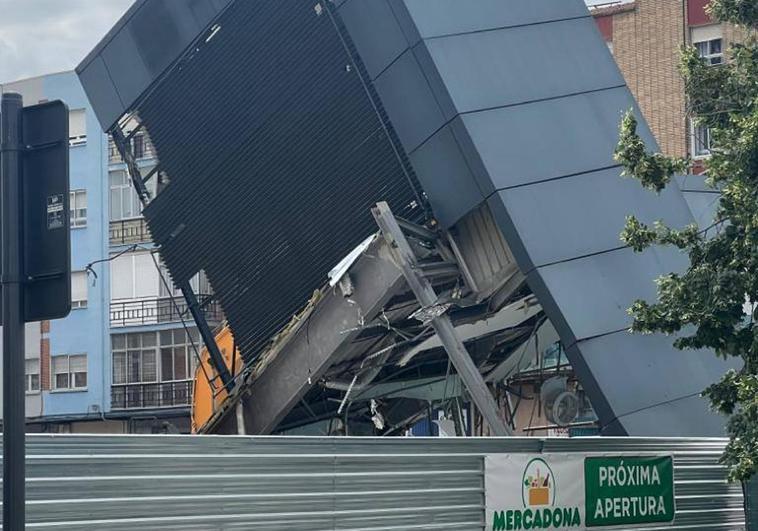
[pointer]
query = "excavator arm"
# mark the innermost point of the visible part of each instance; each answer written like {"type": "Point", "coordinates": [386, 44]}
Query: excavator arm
{"type": "Point", "coordinates": [209, 394]}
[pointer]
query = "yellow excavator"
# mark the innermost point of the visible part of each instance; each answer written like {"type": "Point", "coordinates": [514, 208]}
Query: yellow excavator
{"type": "Point", "coordinates": [208, 393]}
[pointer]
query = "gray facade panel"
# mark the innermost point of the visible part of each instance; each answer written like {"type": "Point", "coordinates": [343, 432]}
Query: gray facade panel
{"type": "Point", "coordinates": [702, 200]}
{"type": "Point", "coordinates": [146, 41]}
{"type": "Point", "coordinates": [434, 18]}
{"type": "Point", "coordinates": [126, 68]}
{"type": "Point", "coordinates": [101, 91]}
{"type": "Point", "coordinates": [703, 206]}
{"type": "Point", "coordinates": [376, 33]}
{"type": "Point", "coordinates": [551, 139]}
{"type": "Point", "coordinates": [522, 64]}
{"type": "Point", "coordinates": [444, 172]}
{"type": "Point", "coordinates": [437, 84]}
{"type": "Point", "coordinates": [594, 293]}
{"type": "Point", "coordinates": [409, 101]}
{"type": "Point", "coordinates": [557, 220]}
{"type": "Point", "coordinates": [625, 360]}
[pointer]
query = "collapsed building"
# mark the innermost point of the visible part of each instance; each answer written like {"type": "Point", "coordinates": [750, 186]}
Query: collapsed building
{"type": "Point", "coordinates": [401, 206]}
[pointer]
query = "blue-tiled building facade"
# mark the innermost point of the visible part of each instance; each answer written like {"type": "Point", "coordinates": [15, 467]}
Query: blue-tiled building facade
{"type": "Point", "coordinates": [122, 361]}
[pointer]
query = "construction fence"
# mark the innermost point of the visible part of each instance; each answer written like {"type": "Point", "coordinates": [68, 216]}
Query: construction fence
{"type": "Point", "coordinates": [129, 482]}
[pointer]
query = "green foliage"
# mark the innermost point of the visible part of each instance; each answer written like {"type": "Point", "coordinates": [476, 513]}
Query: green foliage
{"type": "Point", "coordinates": [739, 12]}
{"type": "Point", "coordinates": [714, 303]}
{"type": "Point", "coordinates": [653, 170]}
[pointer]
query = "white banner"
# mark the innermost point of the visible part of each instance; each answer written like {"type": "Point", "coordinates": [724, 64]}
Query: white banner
{"type": "Point", "coordinates": [574, 491]}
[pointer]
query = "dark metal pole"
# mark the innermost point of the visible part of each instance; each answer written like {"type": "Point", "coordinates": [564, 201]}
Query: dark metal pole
{"type": "Point", "coordinates": [13, 315]}
{"type": "Point", "coordinates": [217, 360]}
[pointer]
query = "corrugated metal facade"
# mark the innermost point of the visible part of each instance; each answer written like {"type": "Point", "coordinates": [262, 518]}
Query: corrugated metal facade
{"type": "Point", "coordinates": [275, 483]}
{"type": "Point", "coordinates": [275, 150]}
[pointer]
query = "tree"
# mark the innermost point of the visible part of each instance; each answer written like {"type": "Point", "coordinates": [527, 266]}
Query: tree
{"type": "Point", "coordinates": [714, 303]}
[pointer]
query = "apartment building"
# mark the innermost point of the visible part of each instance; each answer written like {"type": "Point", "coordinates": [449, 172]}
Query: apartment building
{"type": "Point", "coordinates": [645, 37]}
{"type": "Point", "coordinates": [123, 360]}
{"type": "Point", "coordinates": [68, 360]}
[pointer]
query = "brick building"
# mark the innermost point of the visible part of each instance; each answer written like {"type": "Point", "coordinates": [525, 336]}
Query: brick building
{"type": "Point", "coordinates": [645, 37]}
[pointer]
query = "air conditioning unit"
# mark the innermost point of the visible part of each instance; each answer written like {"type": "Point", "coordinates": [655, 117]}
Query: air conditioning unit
{"type": "Point", "coordinates": [560, 405]}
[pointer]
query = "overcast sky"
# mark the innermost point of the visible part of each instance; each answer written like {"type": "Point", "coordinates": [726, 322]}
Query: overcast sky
{"type": "Point", "coordinates": [44, 36]}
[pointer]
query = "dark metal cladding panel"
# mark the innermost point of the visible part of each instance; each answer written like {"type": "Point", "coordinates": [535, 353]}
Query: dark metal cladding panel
{"type": "Point", "coordinates": [139, 49]}
{"type": "Point", "coordinates": [275, 153]}
{"type": "Point", "coordinates": [624, 353]}
{"type": "Point", "coordinates": [435, 18]}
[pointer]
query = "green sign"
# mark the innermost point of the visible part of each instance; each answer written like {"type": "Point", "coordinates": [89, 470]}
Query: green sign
{"type": "Point", "coordinates": [628, 490]}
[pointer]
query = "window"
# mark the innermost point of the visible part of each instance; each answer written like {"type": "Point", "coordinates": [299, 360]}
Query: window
{"type": "Point", "coordinates": [125, 203]}
{"type": "Point", "coordinates": [78, 289]}
{"type": "Point", "coordinates": [709, 43]}
{"type": "Point", "coordinates": [174, 291]}
{"type": "Point", "coordinates": [134, 276]}
{"type": "Point", "coordinates": [199, 284]}
{"type": "Point", "coordinates": [77, 127]}
{"type": "Point", "coordinates": [710, 51]}
{"type": "Point", "coordinates": [78, 208]}
{"type": "Point", "coordinates": [70, 372]}
{"type": "Point", "coordinates": [178, 360]}
{"type": "Point", "coordinates": [32, 376]}
{"type": "Point", "coordinates": [134, 358]}
{"type": "Point", "coordinates": [701, 141]}
{"type": "Point", "coordinates": [138, 146]}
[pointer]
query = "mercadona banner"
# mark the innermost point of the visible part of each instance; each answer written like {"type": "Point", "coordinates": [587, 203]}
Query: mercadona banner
{"type": "Point", "coordinates": [577, 491]}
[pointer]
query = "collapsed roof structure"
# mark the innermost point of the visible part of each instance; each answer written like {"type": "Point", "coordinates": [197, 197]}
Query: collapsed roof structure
{"type": "Point", "coordinates": [488, 130]}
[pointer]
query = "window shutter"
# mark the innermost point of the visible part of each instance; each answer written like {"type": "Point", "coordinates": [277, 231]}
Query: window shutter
{"type": "Point", "coordinates": [60, 364]}
{"type": "Point", "coordinates": [122, 278]}
{"type": "Point", "coordinates": [78, 363]}
{"type": "Point", "coordinates": [77, 124]}
{"type": "Point", "coordinates": [78, 286]}
{"type": "Point", "coordinates": [707, 33]}
{"type": "Point", "coordinates": [81, 199]}
{"type": "Point", "coordinates": [32, 366]}
{"type": "Point", "coordinates": [148, 281]}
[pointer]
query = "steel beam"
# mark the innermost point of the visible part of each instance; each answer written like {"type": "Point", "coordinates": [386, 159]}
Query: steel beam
{"type": "Point", "coordinates": [442, 324]}
{"type": "Point", "coordinates": [217, 359]}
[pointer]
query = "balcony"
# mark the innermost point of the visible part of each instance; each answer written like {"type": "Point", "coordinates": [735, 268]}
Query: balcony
{"type": "Point", "coordinates": [161, 310]}
{"type": "Point", "coordinates": [140, 145]}
{"type": "Point", "coordinates": [128, 231]}
{"type": "Point", "coordinates": [152, 395]}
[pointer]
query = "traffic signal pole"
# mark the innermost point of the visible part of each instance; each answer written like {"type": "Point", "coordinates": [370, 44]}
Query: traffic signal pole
{"type": "Point", "coordinates": [12, 281]}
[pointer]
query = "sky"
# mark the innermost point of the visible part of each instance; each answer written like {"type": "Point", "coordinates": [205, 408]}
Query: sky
{"type": "Point", "coordinates": [45, 36]}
